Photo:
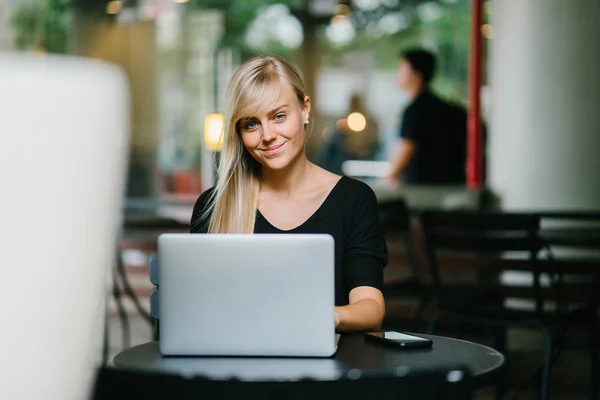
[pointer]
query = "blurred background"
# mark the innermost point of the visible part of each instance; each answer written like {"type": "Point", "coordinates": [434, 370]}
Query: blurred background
{"type": "Point", "coordinates": [179, 56]}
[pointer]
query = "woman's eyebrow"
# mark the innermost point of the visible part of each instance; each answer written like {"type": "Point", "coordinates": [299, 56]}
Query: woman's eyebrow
{"type": "Point", "coordinates": [276, 110]}
{"type": "Point", "coordinates": [269, 114]}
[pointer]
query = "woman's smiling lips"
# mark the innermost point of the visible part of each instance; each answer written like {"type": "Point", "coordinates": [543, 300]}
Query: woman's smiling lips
{"type": "Point", "coordinates": [273, 149]}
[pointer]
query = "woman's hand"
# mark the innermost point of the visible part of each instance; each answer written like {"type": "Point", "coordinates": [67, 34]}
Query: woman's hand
{"type": "Point", "coordinates": [337, 318]}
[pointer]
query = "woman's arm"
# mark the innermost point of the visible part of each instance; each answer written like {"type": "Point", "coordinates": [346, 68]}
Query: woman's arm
{"type": "Point", "coordinates": [365, 257]}
{"type": "Point", "coordinates": [365, 311]}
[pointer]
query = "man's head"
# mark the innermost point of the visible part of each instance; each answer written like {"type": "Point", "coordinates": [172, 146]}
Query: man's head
{"type": "Point", "coordinates": [415, 71]}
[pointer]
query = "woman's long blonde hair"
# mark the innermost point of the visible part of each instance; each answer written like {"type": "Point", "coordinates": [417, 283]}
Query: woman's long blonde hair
{"type": "Point", "coordinates": [255, 86]}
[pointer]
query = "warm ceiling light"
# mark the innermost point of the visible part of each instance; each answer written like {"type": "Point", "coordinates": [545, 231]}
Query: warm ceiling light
{"type": "Point", "coordinates": [114, 6]}
{"type": "Point", "coordinates": [213, 131]}
{"type": "Point", "coordinates": [342, 9]}
{"type": "Point", "coordinates": [357, 122]}
{"type": "Point", "coordinates": [487, 30]}
{"type": "Point", "coordinates": [338, 18]}
{"type": "Point", "coordinates": [180, 1]}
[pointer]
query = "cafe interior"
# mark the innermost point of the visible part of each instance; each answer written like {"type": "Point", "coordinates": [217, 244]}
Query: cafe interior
{"type": "Point", "coordinates": [112, 114]}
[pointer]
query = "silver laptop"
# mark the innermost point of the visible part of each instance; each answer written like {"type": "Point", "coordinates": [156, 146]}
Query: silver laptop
{"type": "Point", "coordinates": [247, 294]}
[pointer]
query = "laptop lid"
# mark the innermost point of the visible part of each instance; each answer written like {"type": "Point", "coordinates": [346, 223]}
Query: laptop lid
{"type": "Point", "coordinates": [246, 294]}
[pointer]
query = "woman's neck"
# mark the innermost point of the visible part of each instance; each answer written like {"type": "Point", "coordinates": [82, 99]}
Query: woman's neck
{"type": "Point", "coordinates": [287, 181]}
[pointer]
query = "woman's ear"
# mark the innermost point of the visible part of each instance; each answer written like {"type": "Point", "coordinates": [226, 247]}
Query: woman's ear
{"type": "Point", "coordinates": [306, 109]}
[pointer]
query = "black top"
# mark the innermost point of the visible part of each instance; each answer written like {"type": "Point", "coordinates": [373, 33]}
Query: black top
{"type": "Point", "coordinates": [350, 214]}
{"type": "Point", "coordinates": [439, 130]}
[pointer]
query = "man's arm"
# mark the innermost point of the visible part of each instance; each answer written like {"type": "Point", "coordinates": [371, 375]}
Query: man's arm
{"type": "Point", "coordinates": [365, 311]}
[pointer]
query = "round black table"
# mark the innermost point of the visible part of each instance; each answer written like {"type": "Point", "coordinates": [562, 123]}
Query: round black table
{"type": "Point", "coordinates": [355, 358]}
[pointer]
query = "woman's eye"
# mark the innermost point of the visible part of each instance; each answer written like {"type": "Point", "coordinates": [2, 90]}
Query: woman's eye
{"type": "Point", "coordinates": [250, 125]}
{"type": "Point", "coordinates": [279, 117]}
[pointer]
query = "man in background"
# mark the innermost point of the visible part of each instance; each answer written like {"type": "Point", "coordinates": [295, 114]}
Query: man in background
{"type": "Point", "coordinates": [433, 134]}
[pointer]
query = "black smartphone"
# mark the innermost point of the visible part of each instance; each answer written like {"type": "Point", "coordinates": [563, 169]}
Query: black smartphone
{"type": "Point", "coordinates": [397, 339]}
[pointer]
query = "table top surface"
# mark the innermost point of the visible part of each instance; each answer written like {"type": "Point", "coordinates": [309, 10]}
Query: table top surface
{"type": "Point", "coordinates": [355, 358]}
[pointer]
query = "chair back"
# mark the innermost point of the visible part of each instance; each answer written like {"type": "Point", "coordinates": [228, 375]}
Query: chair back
{"type": "Point", "coordinates": [394, 214]}
{"type": "Point", "coordinates": [395, 217]}
{"type": "Point", "coordinates": [482, 233]}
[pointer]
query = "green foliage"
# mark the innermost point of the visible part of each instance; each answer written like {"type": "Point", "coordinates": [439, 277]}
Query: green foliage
{"type": "Point", "coordinates": [449, 34]}
{"type": "Point", "coordinates": [238, 16]}
{"type": "Point", "coordinates": [42, 25]}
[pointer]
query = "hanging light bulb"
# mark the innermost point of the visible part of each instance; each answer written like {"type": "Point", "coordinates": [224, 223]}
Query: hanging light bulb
{"type": "Point", "coordinates": [357, 122]}
{"type": "Point", "coordinates": [114, 7]}
{"type": "Point", "coordinates": [487, 30]}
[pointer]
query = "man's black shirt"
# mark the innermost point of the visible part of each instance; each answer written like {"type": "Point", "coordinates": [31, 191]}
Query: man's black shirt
{"type": "Point", "coordinates": [439, 131]}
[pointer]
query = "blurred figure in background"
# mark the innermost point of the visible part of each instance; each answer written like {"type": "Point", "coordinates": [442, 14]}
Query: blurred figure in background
{"type": "Point", "coordinates": [433, 135]}
{"type": "Point", "coordinates": [355, 137]}
{"type": "Point", "coordinates": [361, 129]}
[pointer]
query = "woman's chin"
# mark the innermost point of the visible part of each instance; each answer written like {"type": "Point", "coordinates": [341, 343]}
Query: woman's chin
{"type": "Point", "coordinates": [279, 162]}
{"type": "Point", "coordinates": [276, 164]}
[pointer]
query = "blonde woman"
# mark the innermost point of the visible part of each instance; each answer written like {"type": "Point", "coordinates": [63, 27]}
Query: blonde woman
{"type": "Point", "coordinates": [267, 185]}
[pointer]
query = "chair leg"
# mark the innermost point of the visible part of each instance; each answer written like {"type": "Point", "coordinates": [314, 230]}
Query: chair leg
{"type": "Point", "coordinates": [545, 384]}
{"type": "Point", "coordinates": [499, 334]}
{"type": "Point", "coordinates": [461, 327]}
{"type": "Point", "coordinates": [433, 323]}
{"type": "Point", "coordinates": [417, 314]}
{"type": "Point", "coordinates": [595, 354]}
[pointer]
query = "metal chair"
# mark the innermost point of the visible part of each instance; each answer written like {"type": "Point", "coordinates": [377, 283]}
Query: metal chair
{"type": "Point", "coordinates": [395, 218]}
{"type": "Point", "coordinates": [495, 234]}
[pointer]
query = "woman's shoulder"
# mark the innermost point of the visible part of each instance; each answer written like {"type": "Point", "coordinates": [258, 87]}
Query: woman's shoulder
{"type": "Point", "coordinates": [353, 188]}
{"type": "Point", "coordinates": [351, 196]}
{"type": "Point", "coordinates": [343, 184]}
{"type": "Point", "coordinates": [358, 204]}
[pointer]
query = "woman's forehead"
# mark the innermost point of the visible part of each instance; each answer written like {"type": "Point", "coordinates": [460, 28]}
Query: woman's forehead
{"type": "Point", "coordinates": [270, 98]}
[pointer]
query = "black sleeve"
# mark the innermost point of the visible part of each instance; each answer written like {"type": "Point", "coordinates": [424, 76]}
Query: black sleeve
{"type": "Point", "coordinates": [411, 124]}
{"type": "Point", "coordinates": [199, 221]}
{"type": "Point", "coordinates": [365, 249]}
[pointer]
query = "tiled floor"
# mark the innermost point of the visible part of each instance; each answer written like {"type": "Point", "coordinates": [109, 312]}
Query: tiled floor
{"type": "Point", "coordinates": [570, 376]}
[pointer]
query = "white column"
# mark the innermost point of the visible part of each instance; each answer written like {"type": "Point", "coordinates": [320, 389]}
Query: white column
{"type": "Point", "coordinates": [544, 145]}
{"type": "Point", "coordinates": [64, 138]}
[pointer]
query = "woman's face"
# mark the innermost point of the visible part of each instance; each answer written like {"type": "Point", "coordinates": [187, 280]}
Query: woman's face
{"type": "Point", "coordinates": [276, 137]}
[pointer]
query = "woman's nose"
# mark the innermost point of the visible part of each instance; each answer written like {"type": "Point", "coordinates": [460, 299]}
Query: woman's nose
{"type": "Point", "coordinates": [268, 133]}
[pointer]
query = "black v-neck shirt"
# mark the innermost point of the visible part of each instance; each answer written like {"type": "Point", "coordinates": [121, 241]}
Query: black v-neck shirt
{"type": "Point", "coordinates": [350, 214]}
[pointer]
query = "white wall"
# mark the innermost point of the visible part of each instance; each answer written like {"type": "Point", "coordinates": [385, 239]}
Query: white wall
{"type": "Point", "coordinates": [545, 117]}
